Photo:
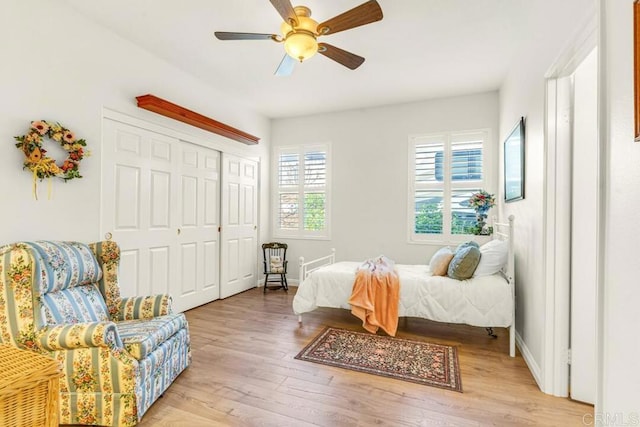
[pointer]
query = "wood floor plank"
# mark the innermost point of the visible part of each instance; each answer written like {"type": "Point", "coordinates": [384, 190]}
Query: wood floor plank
{"type": "Point", "coordinates": [244, 374]}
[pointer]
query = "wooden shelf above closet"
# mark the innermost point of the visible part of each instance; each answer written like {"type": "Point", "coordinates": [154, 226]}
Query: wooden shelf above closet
{"type": "Point", "coordinates": [176, 112]}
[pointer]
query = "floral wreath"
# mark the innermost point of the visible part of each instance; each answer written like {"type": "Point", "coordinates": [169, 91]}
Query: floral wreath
{"type": "Point", "coordinates": [46, 167]}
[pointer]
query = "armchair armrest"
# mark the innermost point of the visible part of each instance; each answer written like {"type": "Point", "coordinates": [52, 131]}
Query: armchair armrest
{"type": "Point", "coordinates": [80, 335]}
{"type": "Point", "coordinates": [145, 307]}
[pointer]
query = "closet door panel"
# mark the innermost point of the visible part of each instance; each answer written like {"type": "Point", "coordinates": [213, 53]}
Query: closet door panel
{"type": "Point", "coordinates": [198, 227]}
{"type": "Point", "coordinates": [239, 225]}
{"type": "Point", "coordinates": [161, 202]}
{"type": "Point", "coordinates": [137, 204]}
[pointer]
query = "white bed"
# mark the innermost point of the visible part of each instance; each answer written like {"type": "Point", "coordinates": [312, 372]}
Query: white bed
{"type": "Point", "coordinates": [487, 301]}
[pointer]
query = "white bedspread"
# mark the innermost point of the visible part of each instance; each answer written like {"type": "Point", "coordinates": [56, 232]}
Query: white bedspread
{"type": "Point", "coordinates": [482, 301]}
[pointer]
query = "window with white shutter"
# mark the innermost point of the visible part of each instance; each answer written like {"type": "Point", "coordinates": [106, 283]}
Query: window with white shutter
{"type": "Point", "coordinates": [445, 170]}
{"type": "Point", "coordinates": [302, 200]}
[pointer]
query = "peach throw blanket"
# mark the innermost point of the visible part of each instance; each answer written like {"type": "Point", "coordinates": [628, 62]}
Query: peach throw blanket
{"type": "Point", "coordinates": [374, 297]}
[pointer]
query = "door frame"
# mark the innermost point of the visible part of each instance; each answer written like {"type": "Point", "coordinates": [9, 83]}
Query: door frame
{"type": "Point", "coordinates": [557, 236]}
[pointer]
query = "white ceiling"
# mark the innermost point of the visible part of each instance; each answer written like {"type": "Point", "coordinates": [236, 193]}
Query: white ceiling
{"type": "Point", "coordinates": [421, 49]}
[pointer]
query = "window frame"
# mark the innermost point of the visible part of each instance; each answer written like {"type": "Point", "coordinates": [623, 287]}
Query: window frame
{"type": "Point", "coordinates": [301, 189]}
{"type": "Point", "coordinates": [448, 185]}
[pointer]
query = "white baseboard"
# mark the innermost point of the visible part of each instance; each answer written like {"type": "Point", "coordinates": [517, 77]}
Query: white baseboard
{"type": "Point", "coordinates": [530, 361]}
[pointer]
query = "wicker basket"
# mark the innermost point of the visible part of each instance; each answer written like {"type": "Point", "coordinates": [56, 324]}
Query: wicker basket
{"type": "Point", "coordinates": [29, 388]}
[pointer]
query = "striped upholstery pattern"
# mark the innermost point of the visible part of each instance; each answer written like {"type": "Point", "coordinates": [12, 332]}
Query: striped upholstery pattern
{"type": "Point", "coordinates": [80, 335]}
{"type": "Point", "coordinates": [80, 304]}
{"type": "Point", "coordinates": [119, 355]}
{"type": "Point", "coordinates": [16, 296]}
{"type": "Point", "coordinates": [144, 307]}
{"type": "Point", "coordinates": [65, 273]}
{"type": "Point", "coordinates": [63, 265]}
{"type": "Point", "coordinates": [159, 368]}
{"type": "Point", "coordinates": [142, 336]}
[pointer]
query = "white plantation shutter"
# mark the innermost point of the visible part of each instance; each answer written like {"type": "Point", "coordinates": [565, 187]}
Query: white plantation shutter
{"type": "Point", "coordinates": [426, 158]}
{"type": "Point", "coordinates": [466, 161]}
{"type": "Point", "coordinates": [315, 169]}
{"type": "Point", "coordinates": [428, 188]}
{"type": "Point", "coordinates": [314, 211]}
{"type": "Point", "coordinates": [315, 179]}
{"type": "Point", "coordinates": [445, 170]}
{"type": "Point", "coordinates": [288, 169]}
{"type": "Point", "coordinates": [288, 211]}
{"type": "Point", "coordinates": [288, 201]}
{"type": "Point", "coordinates": [302, 197]}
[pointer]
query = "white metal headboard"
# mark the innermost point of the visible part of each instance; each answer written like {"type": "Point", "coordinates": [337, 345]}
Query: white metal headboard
{"type": "Point", "coordinates": [504, 231]}
{"type": "Point", "coordinates": [306, 268]}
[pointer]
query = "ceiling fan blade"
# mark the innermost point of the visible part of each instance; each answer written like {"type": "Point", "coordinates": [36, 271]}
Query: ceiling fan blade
{"type": "Point", "coordinates": [285, 9]}
{"type": "Point", "coordinates": [364, 14]}
{"type": "Point", "coordinates": [223, 35]}
{"type": "Point", "coordinates": [286, 66]}
{"type": "Point", "coordinates": [348, 59]}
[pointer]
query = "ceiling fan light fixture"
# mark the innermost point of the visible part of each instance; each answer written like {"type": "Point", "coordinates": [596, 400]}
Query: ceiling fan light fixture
{"type": "Point", "coordinates": [299, 33]}
{"type": "Point", "coordinates": [301, 46]}
{"type": "Point", "coordinates": [300, 41]}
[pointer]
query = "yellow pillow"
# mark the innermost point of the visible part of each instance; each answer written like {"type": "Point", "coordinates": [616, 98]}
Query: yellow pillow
{"type": "Point", "coordinates": [439, 264]}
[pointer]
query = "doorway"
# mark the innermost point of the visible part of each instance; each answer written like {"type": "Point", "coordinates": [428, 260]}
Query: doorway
{"type": "Point", "coordinates": [572, 224]}
{"type": "Point", "coordinates": [584, 230]}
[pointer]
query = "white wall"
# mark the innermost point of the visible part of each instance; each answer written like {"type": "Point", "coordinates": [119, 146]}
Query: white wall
{"type": "Point", "coordinates": [619, 393]}
{"type": "Point", "coordinates": [369, 149]}
{"type": "Point", "coordinates": [523, 94]}
{"type": "Point", "coordinates": [56, 65]}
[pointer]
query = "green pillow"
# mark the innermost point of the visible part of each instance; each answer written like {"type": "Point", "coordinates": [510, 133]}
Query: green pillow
{"type": "Point", "coordinates": [464, 263]}
{"type": "Point", "coordinates": [467, 244]}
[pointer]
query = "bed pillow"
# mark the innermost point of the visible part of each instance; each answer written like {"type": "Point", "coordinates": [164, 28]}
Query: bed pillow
{"type": "Point", "coordinates": [494, 257]}
{"type": "Point", "coordinates": [466, 244]}
{"type": "Point", "coordinates": [439, 263]}
{"type": "Point", "coordinates": [464, 263]}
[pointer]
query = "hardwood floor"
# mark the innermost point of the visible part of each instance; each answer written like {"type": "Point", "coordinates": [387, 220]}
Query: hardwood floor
{"type": "Point", "coordinates": [244, 374]}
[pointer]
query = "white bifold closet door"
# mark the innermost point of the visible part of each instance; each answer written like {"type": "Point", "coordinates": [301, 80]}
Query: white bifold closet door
{"type": "Point", "coordinates": [239, 239]}
{"type": "Point", "coordinates": [161, 204]}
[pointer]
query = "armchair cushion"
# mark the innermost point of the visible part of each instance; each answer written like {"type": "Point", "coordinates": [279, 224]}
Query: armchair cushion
{"type": "Point", "coordinates": [142, 336]}
{"type": "Point", "coordinates": [74, 305]}
{"type": "Point", "coordinates": [63, 265]}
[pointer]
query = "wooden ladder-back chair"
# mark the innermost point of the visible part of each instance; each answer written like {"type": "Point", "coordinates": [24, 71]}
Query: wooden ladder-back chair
{"type": "Point", "coordinates": [275, 264]}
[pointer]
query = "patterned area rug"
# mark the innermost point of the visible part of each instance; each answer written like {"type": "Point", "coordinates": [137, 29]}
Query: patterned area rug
{"type": "Point", "coordinates": [419, 362]}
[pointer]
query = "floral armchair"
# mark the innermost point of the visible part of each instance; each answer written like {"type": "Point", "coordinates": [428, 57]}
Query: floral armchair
{"type": "Point", "coordinates": [118, 354]}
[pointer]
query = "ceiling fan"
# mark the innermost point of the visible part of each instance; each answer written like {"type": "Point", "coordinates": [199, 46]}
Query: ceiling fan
{"type": "Point", "coordinates": [300, 33]}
